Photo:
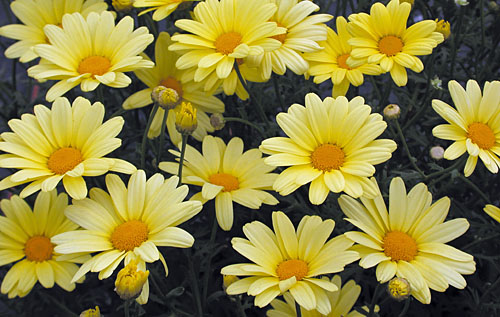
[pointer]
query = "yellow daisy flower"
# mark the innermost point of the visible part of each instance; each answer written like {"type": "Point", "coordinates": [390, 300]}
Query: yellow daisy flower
{"type": "Point", "coordinates": [223, 31]}
{"type": "Point", "coordinates": [331, 63]}
{"type": "Point", "coordinates": [64, 143]}
{"type": "Point", "coordinates": [89, 52]}
{"type": "Point", "coordinates": [128, 223]}
{"type": "Point", "coordinates": [165, 73]}
{"type": "Point", "coordinates": [227, 174]}
{"type": "Point", "coordinates": [35, 14]}
{"type": "Point", "coordinates": [303, 31]}
{"type": "Point", "coordinates": [287, 260]}
{"type": "Point", "coordinates": [331, 144]}
{"type": "Point", "coordinates": [474, 125]}
{"type": "Point", "coordinates": [409, 240]}
{"type": "Point", "coordinates": [26, 235]}
{"type": "Point", "coordinates": [341, 301]}
{"type": "Point", "coordinates": [493, 212]}
{"type": "Point", "coordinates": [383, 38]}
{"type": "Point", "coordinates": [161, 8]}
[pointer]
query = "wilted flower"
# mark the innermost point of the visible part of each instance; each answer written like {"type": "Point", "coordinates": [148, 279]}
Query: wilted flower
{"type": "Point", "coordinates": [167, 98]}
{"type": "Point", "coordinates": [392, 111]}
{"type": "Point", "coordinates": [436, 83]}
{"type": "Point", "coordinates": [217, 121]}
{"type": "Point", "coordinates": [437, 152]}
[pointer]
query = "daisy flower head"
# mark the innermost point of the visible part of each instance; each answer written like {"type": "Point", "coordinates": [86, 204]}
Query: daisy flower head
{"type": "Point", "coordinates": [64, 143]}
{"type": "Point", "coordinates": [382, 37]}
{"type": "Point", "coordinates": [222, 32]}
{"type": "Point", "coordinates": [409, 240]}
{"type": "Point", "coordinates": [331, 144]}
{"type": "Point", "coordinates": [474, 125]}
{"type": "Point", "coordinates": [289, 260]}
{"type": "Point", "coordinates": [161, 8]}
{"type": "Point", "coordinates": [164, 73]}
{"type": "Point", "coordinates": [26, 239]}
{"type": "Point", "coordinates": [303, 31]}
{"type": "Point", "coordinates": [331, 63]}
{"type": "Point", "coordinates": [227, 174]}
{"type": "Point", "coordinates": [90, 51]}
{"type": "Point", "coordinates": [341, 301]}
{"type": "Point", "coordinates": [128, 223]}
{"type": "Point", "coordinates": [34, 15]}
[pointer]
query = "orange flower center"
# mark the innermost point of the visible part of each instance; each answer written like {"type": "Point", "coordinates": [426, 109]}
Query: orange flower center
{"type": "Point", "coordinates": [289, 268]}
{"type": "Point", "coordinates": [129, 235]}
{"type": "Point", "coordinates": [227, 42]}
{"type": "Point", "coordinates": [399, 246]}
{"type": "Point", "coordinates": [482, 135]}
{"type": "Point", "coordinates": [228, 181]}
{"type": "Point", "coordinates": [95, 65]}
{"type": "Point", "coordinates": [64, 159]}
{"type": "Point", "coordinates": [38, 249]}
{"type": "Point", "coordinates": [280, 37]}
{"type": "Point", "coordinates": [172, 83]}
{"type": "Point", "coordinates": [390, 45]}
{"type": "Point", "coordinates": [342, 61]}
{"type": "Point", "coordinates": [327, 157]}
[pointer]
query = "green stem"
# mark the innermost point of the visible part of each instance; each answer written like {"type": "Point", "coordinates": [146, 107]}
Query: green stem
{"type": "Point", "coordinates": [241, 310]}
{"type": "Point", "coordinates": [474, 187]}
{"type": "Point", "coordinates": [14, 73]}
{"type": "Point", "coordinates": [256, 127]}
{"type": "Point", "coordinates": [278, 94]}
{"type": "Point", "coordinates": [446, 170]}
{"type": "Point", "coordinates": [145, 135]}
{"type": "Point", "coordinates": [162, 136]}
{"type": "Point", "coordinates": [126, 308]}
{"type": "Point", "coordinates": [99, 93]}
{"type": "Point", "coordinates": [374, 300]}
{"type": "Point", "coordinates": [298, 311]}
{"type": "Point", "coordinates": [118, 112]}
{"type": "Point", "coordinates": [181, 161]}
{"type": "Point", "coordinates": [375, 87]}
{"type": "Point", "coordinates": [194, 285]}
{"type": "Point", "coordinates": [62, 307]}
{"type": "Point", "coordinates": [405, 307]}
{"type": "Point", "coordinates": [407, 150]}
{"type": "Point", "coordinates": [206, 277]}
{"type": "Point", "coordinates": [252, 97]}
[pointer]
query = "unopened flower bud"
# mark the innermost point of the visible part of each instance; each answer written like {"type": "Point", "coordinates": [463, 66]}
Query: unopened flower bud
{"type": "Point", "coordinates": [167, 98]}
{"type": "Point", "coordinates": [437, 152]}
{"type": "Point", "coordinates": [217, 121]}
{"type": "Point", "coordinates": [461, 2]}
{"type": "Point", "coordinates": [392, 111]}
{"type": "Point", "coordinates": [129, 282]}
{"type": "Point", "coordinates": [123, 5]}
{"type": "Point", "coordinates": [228, 280]}
{"type": "Point", "coordinates": [91, 312]}
{"type": "Point", "coordinates": [185, 118]}
{"type": "Point", "coordinates": [493, 6]}
{"type": "Point", "coordinates": [443, 27]}
{"type": "Point", "coordinates": [398, 288]}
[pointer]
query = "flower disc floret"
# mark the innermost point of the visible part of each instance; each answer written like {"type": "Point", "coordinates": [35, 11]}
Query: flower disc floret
{"type": "Point", "coordinates": [38, 249]}
{"type": "Point", "coordinates": [64, 160]}
{"type": "Point", "coordinates": [289, 268]}
{"type": "Point", "coordinates": [129, 235]}
{"type": "Point", "coordinates": [399, 246]}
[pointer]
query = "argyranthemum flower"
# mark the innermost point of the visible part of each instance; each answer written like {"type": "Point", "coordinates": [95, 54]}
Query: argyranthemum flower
{"type": "Point", "coordinates": [128, 223]}
{"type": "Point", "coordinates": [26, 235]}
{"type": "Point", "coordinates": [64, 143]}
{"type": "Point", "coordinates": [303, 31]}
{"type": "Point", "coordinates": [331, 63]}
{"type": "Point", "coordinates": [474, 125]}
{"type": "Point", "coordinates": [493, 212]}
{"type": "Point", "coordinates": [165, 73]}
{"type": "Point", "coordinates": [223, 31]}
{"type": "Point", "coordinates": [162, 8]}
{"type": "Point", "coordinates": [227, 174]}
{"type": "Point", "coordinates": [341, 301]}
{"type": "Point", "coordinates": [90, 52]}
{"type": "Point", "coordinates": [287, 260]}
{"type": "Point", "coordinates": [331, 144]}
{"type": "Point", "coordinates": [383, 38]}
{"type": "Point", "coordinates": [35, 14]}
{"type": "Point", "coordinates": [410, 240]}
